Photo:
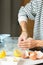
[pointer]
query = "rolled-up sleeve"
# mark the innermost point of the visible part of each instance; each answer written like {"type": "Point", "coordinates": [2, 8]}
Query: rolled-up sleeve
{"type": "Point", "coordinates": [25, 12]}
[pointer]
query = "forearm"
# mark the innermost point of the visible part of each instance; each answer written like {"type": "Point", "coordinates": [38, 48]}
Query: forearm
{"type": "Point", "coordinates": [23, 25]}
{"type": "Point", "coordinates": [39, 43]}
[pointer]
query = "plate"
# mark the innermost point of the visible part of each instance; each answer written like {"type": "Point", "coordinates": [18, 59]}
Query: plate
{"type": "Point", "coordinates": [29, 61]}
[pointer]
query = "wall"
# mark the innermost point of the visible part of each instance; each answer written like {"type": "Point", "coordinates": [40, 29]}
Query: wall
{"type": "Point", "coordinates": [14, 15]}
{"type": "Point", "coordinates": [5, 16]}
{"type": "Point", "coordinates": [8, 16]}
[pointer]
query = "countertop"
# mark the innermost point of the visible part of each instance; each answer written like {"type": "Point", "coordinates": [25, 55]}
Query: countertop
{"type": "Point", "coordinates": [10, 60]}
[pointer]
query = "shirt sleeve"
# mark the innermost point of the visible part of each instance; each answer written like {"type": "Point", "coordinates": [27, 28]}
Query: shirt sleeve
{"type": "Point", "coordinates": [25, 12]}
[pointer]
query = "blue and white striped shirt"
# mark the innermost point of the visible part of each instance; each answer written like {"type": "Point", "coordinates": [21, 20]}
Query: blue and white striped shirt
{"type": "Point", "coordinates": [34, 11]}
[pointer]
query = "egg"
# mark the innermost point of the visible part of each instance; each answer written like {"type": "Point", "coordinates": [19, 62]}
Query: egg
{"type": "Point", "coordinates": [17, 53]}
{"type": "Point", "coordinates": [39, 54]}
{"type": "Point", "coordinates": [24, 56]}
{"type": "Point", "coordinates": [2, 54]}
{"type": "Point", "coordinates": [33, 55]}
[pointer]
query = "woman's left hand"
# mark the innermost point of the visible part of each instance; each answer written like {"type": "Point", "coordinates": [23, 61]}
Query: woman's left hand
{"type": "Point", "coordinates": [29, 43]}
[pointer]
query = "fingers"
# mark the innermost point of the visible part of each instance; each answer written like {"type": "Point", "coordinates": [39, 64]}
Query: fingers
{"type": "Point", "coordinates": [24, 45]}
{"type": "Point", "coordinates": [21, 41]}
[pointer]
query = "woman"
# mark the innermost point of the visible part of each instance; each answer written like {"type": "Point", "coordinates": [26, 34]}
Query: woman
{"type": "Point", "coordinates": [34, 11]}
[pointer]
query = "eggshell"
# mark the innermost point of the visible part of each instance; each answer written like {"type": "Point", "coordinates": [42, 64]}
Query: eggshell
{"type": "Point", "coordinates": [33, 56]}
{"type": "Point", "coordinates": [24, 56]}
{"type": "Point", "coordinates": [39, 54]}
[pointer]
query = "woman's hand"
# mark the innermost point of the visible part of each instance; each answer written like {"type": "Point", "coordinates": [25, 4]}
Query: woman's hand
{"type": "Point", "coordinates": [28, 43]}
{"type": "Point", "coordinates": [22, 37]}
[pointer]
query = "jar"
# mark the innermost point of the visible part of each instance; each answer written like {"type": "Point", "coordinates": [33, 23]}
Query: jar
{"type": "Point", "coordinates": [10, 44]}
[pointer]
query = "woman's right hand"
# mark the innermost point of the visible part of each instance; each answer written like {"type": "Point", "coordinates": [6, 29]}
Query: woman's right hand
{"type": "Point", "coordinates": [22, 37]}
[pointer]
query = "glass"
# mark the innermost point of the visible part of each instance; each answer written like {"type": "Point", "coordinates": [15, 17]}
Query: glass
{"type": "Point", "coordinates": [10, 44]}
{"type": "Point", "coordinates": [1, 46]}
{"type": "Point", "coordinates": [2, 36]}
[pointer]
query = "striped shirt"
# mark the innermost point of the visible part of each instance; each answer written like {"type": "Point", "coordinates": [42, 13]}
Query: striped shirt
{"type": "Point", "coordinates": [34, 11]}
